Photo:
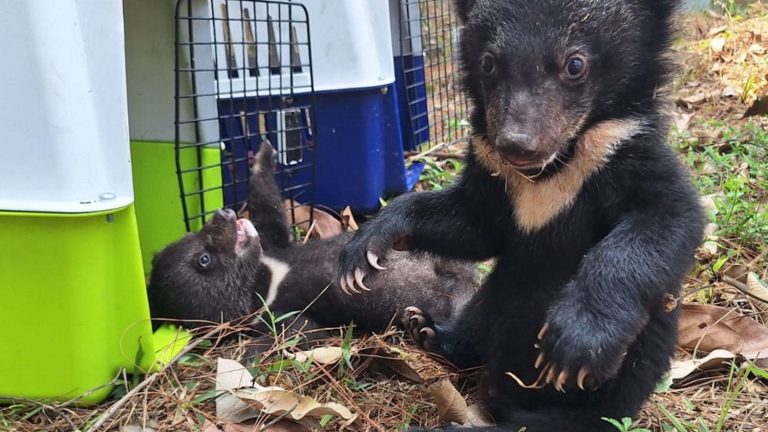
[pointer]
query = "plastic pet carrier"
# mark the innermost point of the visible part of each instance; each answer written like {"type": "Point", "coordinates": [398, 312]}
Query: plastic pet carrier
{"type": "Point", "coordinates": [71, 280]}
{"type": "Point", "coordinates": [315, 78]}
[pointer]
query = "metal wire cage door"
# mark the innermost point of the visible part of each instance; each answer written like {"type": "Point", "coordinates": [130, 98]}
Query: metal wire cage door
{"type": "Point", "coordinates": [243, 76]}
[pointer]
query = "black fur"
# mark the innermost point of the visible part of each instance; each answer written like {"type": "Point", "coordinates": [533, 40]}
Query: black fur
{"type": "Point", "coordinates": [597, 273]}
{"type": "Point", "coordinates": [232, 285]}
{"type": "Point", "coordinates": [265, 201]}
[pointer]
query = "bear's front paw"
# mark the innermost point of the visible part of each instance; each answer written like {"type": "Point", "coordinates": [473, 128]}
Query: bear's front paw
{"type": "Point", "coordinates": [421, 328]}
{"type": "Point", "coordinates": [363, 253]}
{"type": "Point", "coordinates": [577, 348]}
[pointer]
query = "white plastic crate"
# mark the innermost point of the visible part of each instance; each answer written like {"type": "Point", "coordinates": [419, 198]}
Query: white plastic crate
{"type": "Point", "coordinates": [63, 115]}
{"type": "Point", "coordinates": [351, 45]}
{"type": "Point", "coordinates": [349, 40]}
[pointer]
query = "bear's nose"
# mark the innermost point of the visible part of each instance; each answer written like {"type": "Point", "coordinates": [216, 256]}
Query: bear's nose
{"type": "Point", "coordinates": [516, 145]}
{"type": "Point", "coordinates": [227, 214]}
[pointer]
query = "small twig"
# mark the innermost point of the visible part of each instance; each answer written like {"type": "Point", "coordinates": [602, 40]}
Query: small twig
{"type": "Point", "coordinates": [66, 419]}
{"type": "Point", "coordinates": [441, 155]}
{"type": "Point", "coordinates": [279, 418]}
{"type": "Point", "coordinates": [309, 231]}
{"type": "Point", "coordinates": [742, 287]}
{"type": "Point", "coordinates": [757, 258]}
{"type": "Point", "coordinates": [710, 329]}
{"type": "Point", "coordinates": [90, 392]}
{"type": "Point", "coordinates": [149, 380]}
{"type": "Point", "coordinates": [57, 411]}
{"type": "Point", "coordinates": [411, 156]}
{"type": "Point", "coordinates": [349, 401]}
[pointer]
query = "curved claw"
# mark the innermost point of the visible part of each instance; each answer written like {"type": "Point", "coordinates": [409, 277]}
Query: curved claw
{"type": "Point", "coordinates": [561, 379]}
{"type": "Point", "coordinates": [428, 333]}
{"type": "Point", "coordinates": [413, 310]}
{"type": "Point", "coordinates": [343, 285]}
{"type": "Point", "coordinates": [419, 319]}
{"type": "Point", "coordinates": [582, 375]}
{"type": "Point", "coordinates": [551, 374]}
{"type": "Point", "coordinates": [539, 361]}
{"type": "Point", "coordinates": [543, 331]}
{"type": "Point", "coordinates": [350, 280]}
{"type": "Point", "coordinates": [373, 260]}
{"type": "Point", "coordinates": [359, 275]}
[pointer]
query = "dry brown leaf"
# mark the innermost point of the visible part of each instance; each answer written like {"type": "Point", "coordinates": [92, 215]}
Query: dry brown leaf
{"type": "Point", "coordinates": [138, 428]}
{"type": "Point", "coordinates": [737, 272]}
{"type": "Point", "coordinates": [696, 99]}
{"type": "Point", "coordinates": [756, 49]}
{"type": "Point", "coordinates": [708, 202]}
{"type": "Point", "coordinates": [683, 368]}
{"type": "Point", "coordinates": [285, 403]}
{"type": "Point", "coordinates": [683, 121]}
{"type": "Point", "coordinates": [717, 44]}
{"type": "Point", "coordinates": [711, 247]}
{"type": "Point", "coordinates": [348, 220]}
{"type": "Point", "coordinates": [241, 399]}
{"type": "Point", "coordinates": [711, 229]}
{"type": "Point", "coordinates": [708, 328]}
{"type": "Point", "coordinates": [280, 426]}
{"type": "Point", "coordinates": [730, 91]}
{"type": "Point", "coordinates": [323, 225]}
{"type": "Point", "coordinates": [477, 416]}
{"type": "Point", "coordinates": [322, 355]}
{"type": "Point", "coordinates": [717, 30]}
{"type": "Point", "coordinates": [287, 426]}
{"type": "Point", "coordinates": [451, 406]}
{"type": "Point", "coordinates": [386, 364]}
{"type": "Point", "coordinates": [231, 375]}
{"type": "Point", "coordinates": [758, 289]}
{"type": "Point", "coordinates": [744, 170]}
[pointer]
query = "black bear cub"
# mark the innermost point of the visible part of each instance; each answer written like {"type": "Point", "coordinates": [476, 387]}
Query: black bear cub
{"type": "Point", "coordinates": [570, 185]}
{"type": "Point", "coordinates": [231, 267]}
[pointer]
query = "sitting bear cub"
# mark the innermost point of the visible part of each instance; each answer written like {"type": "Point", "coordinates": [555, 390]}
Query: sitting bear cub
{"type": "Point", "coordinates": [570, 184]}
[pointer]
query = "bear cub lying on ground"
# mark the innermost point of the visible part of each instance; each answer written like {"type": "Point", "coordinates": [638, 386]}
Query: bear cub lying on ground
{"type": "Point", "coordinates": [570, 185]}
{"type": "Point", "coordinates": [223, 272]}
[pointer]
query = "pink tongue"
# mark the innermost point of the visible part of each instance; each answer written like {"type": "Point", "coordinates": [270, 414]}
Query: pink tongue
{"type": "Point", "coordinates": [245, 231]}
{"type": "Point", "coordinates": [242, 240]}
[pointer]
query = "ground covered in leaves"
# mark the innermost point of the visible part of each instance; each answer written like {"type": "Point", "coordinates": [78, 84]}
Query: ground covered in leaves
{"type": "Point", "coordinates": [719, 101]}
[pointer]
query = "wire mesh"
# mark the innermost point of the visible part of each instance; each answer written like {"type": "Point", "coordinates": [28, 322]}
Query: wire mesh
{"type": "Point", "coordinates": [243, 76]}
{"type": "Point", "coordinates": [437, 108]}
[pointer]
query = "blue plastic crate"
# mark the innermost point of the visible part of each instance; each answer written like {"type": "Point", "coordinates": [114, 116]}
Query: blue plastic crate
{"type": "Point", "coordinates": [357, 148]}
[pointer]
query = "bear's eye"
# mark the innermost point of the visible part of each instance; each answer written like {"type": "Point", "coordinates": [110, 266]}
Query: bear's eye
{"type": "Point", "coordinates": [203, 260]}
{"type": "Point", "coordinates": [488, 64]}
{"type": "Point", "coordinates": [575, 66]}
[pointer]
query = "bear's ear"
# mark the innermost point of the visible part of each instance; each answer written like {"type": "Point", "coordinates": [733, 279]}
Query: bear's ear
{"type": "Point", "coordinates": [463, 7]}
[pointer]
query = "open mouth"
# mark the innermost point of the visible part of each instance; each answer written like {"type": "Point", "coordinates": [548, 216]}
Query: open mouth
{"type": "Point", "coordinates": [530, 165]}
{"type": "Point", "coordinates": [245, 232]}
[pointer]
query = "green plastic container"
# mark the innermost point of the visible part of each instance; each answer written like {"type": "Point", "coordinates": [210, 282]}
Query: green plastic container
{"type": "Point", "coordinates": [74, 304]}
{"type": "Point", "coordinates": [73, 290]}
{"type": "Point", "coordinates": [156, 186]}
